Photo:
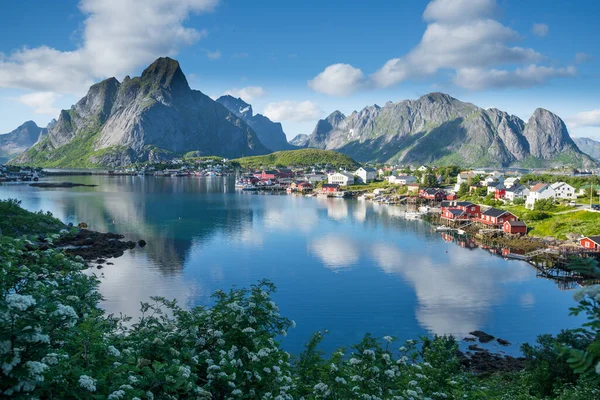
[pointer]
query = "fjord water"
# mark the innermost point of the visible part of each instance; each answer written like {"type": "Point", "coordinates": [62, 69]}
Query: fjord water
{"type": "Point", "coordinates": [346, 266]}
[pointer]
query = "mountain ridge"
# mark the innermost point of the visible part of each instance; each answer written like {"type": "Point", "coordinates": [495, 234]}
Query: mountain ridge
{"type": "Point", "coordinates": [148, 118]}
{"type": "Point", "coordinates": [437, 128]}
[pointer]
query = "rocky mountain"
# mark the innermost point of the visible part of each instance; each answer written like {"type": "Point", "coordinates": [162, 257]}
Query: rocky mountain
{"type": "Point", "coordinates": [440, 129]}
{"type": "Point", "coordinates": [19, 140]}
{"type": "Point", "coordinates": [300, 140]}
{"type": "Point", "coordinates": [269, 133]}
{"type": "Point", "coordinates": [147, 118]}
{"type": "Point", "coordinates": [589, 146]}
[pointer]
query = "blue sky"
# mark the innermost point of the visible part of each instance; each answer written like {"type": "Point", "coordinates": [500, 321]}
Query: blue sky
{"type": "Point", "coordinates": [298, 62]}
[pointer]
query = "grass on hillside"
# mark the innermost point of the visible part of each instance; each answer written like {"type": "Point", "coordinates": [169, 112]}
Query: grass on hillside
{"type": "Point", "coordinates": [298, 158]}
{"type": "Point", "coordinates": [586, 223]}
{"type": "Point", "coordinates": [15, 221]}
{"type": "Point", "coordinates": [371, 186]}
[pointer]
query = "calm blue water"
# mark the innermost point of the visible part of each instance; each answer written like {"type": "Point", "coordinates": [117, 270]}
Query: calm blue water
{"type": "Point", "coordinates": [346, 266]}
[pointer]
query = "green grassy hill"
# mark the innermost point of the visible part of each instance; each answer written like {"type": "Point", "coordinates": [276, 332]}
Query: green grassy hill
{"type": "Point", "coordinates": [299, 158]}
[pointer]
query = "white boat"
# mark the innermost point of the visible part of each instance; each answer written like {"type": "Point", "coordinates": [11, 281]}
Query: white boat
{"type": "Point", "coordinates": [443, 228]}
{"type": "Point", "coordinates": [249, 187]}
{"type": "Point", "coordinates": [461, 232]}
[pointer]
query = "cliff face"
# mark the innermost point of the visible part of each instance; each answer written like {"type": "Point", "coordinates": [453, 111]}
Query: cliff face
{"type": "Point", "coordinates": [589, 146]}
{"type": "Point", "coordinates": [145, 118]}
{"type": "Point", "coordinates": [18, 140]}
{"type": "Point", "coordinates": [269, 133]}
{"type": "Point", "coordinates": [438, 128]}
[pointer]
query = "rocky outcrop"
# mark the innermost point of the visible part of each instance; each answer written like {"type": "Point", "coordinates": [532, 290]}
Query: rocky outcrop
{"type": "Point", "coordinates": [148, 118]}
{"type": "Point", "coordinates": [300, 140]}
{"type": "Point", "coordinates": [269, 133]}
{"type": "Point", "coordinates": [589, 146]}
{"type": "Point", "coordinates": [438, 128]}
{"type": "Point", "coordinates": [19, 140]}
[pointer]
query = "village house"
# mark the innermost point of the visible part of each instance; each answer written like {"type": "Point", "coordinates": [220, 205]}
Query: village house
{"type": "Point", "coordinates": [453, 214]}
{"type": "Point", "coordinates": [590, 242]}
{"type": "Point", "coordinates": [496, 218]}
{"type": "Point", "coordinates": [341, 178]}
{"type": "Point", "coordinates": [515, 227]}
{"type": "Point", "coordinates": [585, 190]}
{"type": "Point", "coordinates": [330, 187]}
{"type": "Point", "coordinates": [401, 180]}
{"type": "Point", "coordinates": [516, 192]}
{"type": "Point", "coordinates": [463, 177]}
{"type": "Point", "coordinates": [500, 192]}
{"type": "Point", "coordinates": [472, 210]}
{"type": "Point", "coordinates": [489, 181]}
{"type": "Point", "coordinates": [539, 191]}
{"type": "Point", "coordinates": [432, 194]}
{"type": "Point", "coordinates": [365, 174]}
{"type": "Point", "coordinates": [512, 181]}
{"type": "Point", "coordinates": [496, 175]}
{"type": "Point", "coordinates": [315, 178]}
{"type": "Point", "coordinates": [563, 190]}
{"type": "Point", "coordinates": [302, 187]}
{"type": "Point", "coordinates": [423, 168]}
{"type": "Point", "coordinates": [491, 187]}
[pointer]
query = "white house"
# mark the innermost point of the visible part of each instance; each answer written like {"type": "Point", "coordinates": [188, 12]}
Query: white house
{"type": "Point", "coordinates": [512, 181]}
{"type": "Point", "coordinates": [365, 174]}
{"type": "Point", "coordinates": [563, 190]}
{"type": "Point", "coordinates": [402, 180]}
{"type": "Point", "coordinates": [538, 192]}
{"type": "Point", "coordinates": [516, 192]}
{"type": "Point", "coordinates": [464, 176]}
{"type": "Point", "coordinates": [314, 178]}
{"type": "Point", "coordinates": [499, 176]}
{"type": "Point", "coordinates": [487, 180]}
{"type": "Point", "coordinates": [423, 168]}
{"type": "Point", "coordinates": [341, 178]}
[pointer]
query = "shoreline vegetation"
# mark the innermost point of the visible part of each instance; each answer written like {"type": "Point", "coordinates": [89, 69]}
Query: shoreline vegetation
{"type": "Point", "coordinates": [56, 342]}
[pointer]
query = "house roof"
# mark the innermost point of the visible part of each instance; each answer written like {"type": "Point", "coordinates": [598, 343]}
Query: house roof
{"type": "Point", "coordinates": [540, 187]}
{"type": "Point", "coordinates": [516, 223]}
{"type": "Point", "coordinates": [369, 169]}
{"type": "Point", "coordinates": [494, 212]}
{"type": "Point", "coordinates": [595, 239]}
{"type": "Point", "coordinates": [458, 213]}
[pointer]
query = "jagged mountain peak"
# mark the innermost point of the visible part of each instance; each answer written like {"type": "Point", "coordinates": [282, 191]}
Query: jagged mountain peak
{"type": "Point", "coordinates": [335, 117]}
{"type": "Point", "coordinates": [167, 73]}
{"type": "Point", "coordinates": [236, 105]}
{"type": "Point", "coordinates": [438, 97]}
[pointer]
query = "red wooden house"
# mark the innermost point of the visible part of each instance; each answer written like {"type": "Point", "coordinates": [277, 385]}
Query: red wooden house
{"type": "Point", "coordinates": [453, 214]}
{"type": "Point", "coordinates": [451, 196]}
{"type": "Point", "coordinates": [500, 192]}
{"type": "Point", "coordinates": [590, 242]}
{"type": "Point", "coordinates": [304, 187]}
{"type": "Point", "coordinates": [472, 210]}
{"type": "Point", "coordinates": [515, 227]}
{"type": "Point", "coordinates": [330, 187]}
{"type": "Point", "coordinates": [496, 218]}
{"type": "Point", "coordinates": [432, 194]}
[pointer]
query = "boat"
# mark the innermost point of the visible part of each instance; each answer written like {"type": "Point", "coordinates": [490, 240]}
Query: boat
{"type": "Point", "coordinates": [249, 187]}
{"type": "Point", "coordinates": [461, 232]}
{"type": "Point", "coordinates": [443, 228]}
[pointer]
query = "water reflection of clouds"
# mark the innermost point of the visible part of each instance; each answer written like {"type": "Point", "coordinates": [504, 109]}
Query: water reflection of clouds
{"type": "Point", "coordinates": [135, 278]}
{"type": "Point", "coordinates": [455, 295]}
{"type": "Point", "coordinates": [291, 219]}
{"type": "Point", "coordinates": [336, 252]}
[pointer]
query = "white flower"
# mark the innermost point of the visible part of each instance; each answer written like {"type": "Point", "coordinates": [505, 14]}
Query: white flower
{"type": "Point", "coordinates": [354, 361]}
{"type": "Point", "coordinates": [19, 302]}
{"type": "Point", "coordinates": [67, 312]}
{"type": "Point", "coordinates": [388, 339]}
{"type": "Point", "coordinates": [36, 368]}
{"type": "Point", "coordinates": [236, 392]}
{"type": "Point", "coordinates": [112, 350]}
{"type": "Point", "coordinates": [341, 380]}
{"type": "Point", "coordinates": [185, 371]}
{"type": "Point", "coordinates": [88, 383]}
{"type": "Point", "coordinates": [598, 368]}
{"type": "Point", "coordinates": [248, 330]}
{"type": "Point", "coordinates": [5, 346]}
{"type": "Point", "coordinates": [411, 393]}
{"type": "Point", "coordinates": [116, 395]}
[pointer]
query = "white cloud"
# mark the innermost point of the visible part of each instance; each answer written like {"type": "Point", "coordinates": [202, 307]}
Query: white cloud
{"type": "Point", "coordinates": [461, 36]}
{"type": "Point", "coordinates": [585, 118]}
{"type": "Point", "coordinates": [582, 57]}
{"type": "Point", "coordinates": [338, 80]}
{"type": "Point", "coordinates": [213, 55]}
{"type": "Point", "coordinates": [459, 10]}
{"type": "Point", "coordinates": [247, 93]}
{"type": "Point", "coordinates": [41, 102]}
{"type": "Point", "coordinates": [293, 111]}
{"type": "Point", "coordinates": [478, 78]}
{"type": "Point", "coordinates": [540, 30]}
{"type": "Point", "coordinates": [118, 37]}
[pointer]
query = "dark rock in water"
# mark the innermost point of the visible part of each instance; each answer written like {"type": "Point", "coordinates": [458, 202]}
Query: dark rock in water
{"type": "Point", "coordinates": [131, 244]}
{"type": "Point", "coordinates": [470, 339]}
{"type": "Point", "coordinates": [482, 336]}
{"type": "Point", "coordinates": [474, 347]}
{"type": "Point", "coordinates": [59, 185]}
{"type": "Point", "coordinates": [99, 267]}
{"type": "Point", "coordinates": [101, 261]}
{"type": "Point", "coordinates": [503, 342]}
{"type": "Point", "coordinates": [141, 242]}
{"type": "Point", "coordinates": [70, 224]}
{"type": "Point", "coordinates": [109, 263]}
{"type": "Point", "coordinates": [94, 245]}
{"type": "Point", "coordinates": [483, 361]}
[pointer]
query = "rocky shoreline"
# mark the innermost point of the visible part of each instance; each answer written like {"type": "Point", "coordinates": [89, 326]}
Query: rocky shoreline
{"type": "Point", "coordinates": [93, 247]}
{"type": "Point", "coordinates": [481, 360]}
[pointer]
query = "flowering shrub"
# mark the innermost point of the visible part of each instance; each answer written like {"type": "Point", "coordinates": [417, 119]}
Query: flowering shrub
{"type": "Point", "coordinates": [57, 343]}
